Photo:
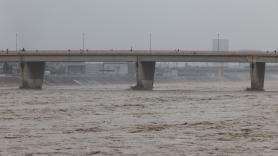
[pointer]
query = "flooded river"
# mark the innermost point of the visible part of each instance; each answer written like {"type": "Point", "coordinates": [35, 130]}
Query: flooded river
{"type": "Point", "coordinates": [215, 118]}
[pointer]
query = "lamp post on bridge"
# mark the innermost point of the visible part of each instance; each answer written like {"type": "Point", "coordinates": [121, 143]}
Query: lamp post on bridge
{"type": "Point", "coordinates": [150, 42]}
{"type": "Point", "coordinates": [16, 42]}
{"type": "Point", "coordinates": [83, 41]}
{"type": "Point", "coordinates": [218, 42]}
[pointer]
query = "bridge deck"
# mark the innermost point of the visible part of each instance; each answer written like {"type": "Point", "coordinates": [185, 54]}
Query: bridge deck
{"type": "Point", "coordinates": [142, 55]}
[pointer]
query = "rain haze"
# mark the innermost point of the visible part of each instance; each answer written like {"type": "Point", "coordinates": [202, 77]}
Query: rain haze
{"type": "Point", "coordinates": [137, 77]}
{"type": "Point", "coordinates": [120, 24]}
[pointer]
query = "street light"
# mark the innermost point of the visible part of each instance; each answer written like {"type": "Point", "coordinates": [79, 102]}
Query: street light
{"type": "Point", "coordinates": [16, 42]}
{"type": "Point", "coordinates": [218, 42]}
{"type": "Point", "coordinates": [150, 42]}
{"type": "Point", "coordinates": [83, 41]}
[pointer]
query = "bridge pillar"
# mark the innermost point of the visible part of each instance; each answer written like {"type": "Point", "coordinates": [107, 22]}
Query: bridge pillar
{"type": "Point", "coordinates": [32, 74]}
{"type": "Point", "coordinates": [145, 75]}
{"type": "Point", "coordinates": [257, 73]}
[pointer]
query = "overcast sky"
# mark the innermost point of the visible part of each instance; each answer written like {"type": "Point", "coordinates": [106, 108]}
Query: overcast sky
{"type": "Point", "coordinates": [120, 24]}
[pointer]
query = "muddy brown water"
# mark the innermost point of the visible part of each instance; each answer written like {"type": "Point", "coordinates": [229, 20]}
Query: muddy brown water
{"type": "Point", "coordinates": [175, 119]}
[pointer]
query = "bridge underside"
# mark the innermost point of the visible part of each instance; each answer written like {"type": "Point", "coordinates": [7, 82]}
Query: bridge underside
{"type": "Point", "coordinates": [33, 75]}
{"type": "Point", "coordinates": [33, 62]}
{"type": "Point", "coordinates": [135, 55]}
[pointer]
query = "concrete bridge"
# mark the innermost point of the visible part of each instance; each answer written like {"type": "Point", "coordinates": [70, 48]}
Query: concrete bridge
{"type": "Point", "coordinates": [32, 63]}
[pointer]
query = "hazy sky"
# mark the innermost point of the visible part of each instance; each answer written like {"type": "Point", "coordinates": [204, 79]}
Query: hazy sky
{"type": "Point", "coordinates": [119, 24]}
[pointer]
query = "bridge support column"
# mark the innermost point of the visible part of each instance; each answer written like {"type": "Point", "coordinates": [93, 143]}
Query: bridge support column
{"type": "Point", "coordinates": [145, 75]}
{"type": "Point", "coordinates": [32, 74]}
{"type": "Point", "coordinates": [257, 73]}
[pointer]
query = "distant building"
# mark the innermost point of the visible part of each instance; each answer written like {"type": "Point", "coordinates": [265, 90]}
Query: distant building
{"type": "Point", "coordinates": [66, 67]}
{"type": "Point", "coordinates": [93, 67]}
{"type": "Point", "coordinates": [115, 68]}
{"type": "Point", "coordinates": [75, 68]}
{"type": "Point", "coordinates": [8, 68]}
{"type": "Point", "coordinates": [220, 45]}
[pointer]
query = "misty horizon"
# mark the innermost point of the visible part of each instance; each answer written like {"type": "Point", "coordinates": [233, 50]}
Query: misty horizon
{"type": "Point", "coordinates": [190, 25]}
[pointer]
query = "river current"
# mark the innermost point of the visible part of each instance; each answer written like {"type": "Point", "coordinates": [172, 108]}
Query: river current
{"type": "Point", "coordinates": [207, 118]}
